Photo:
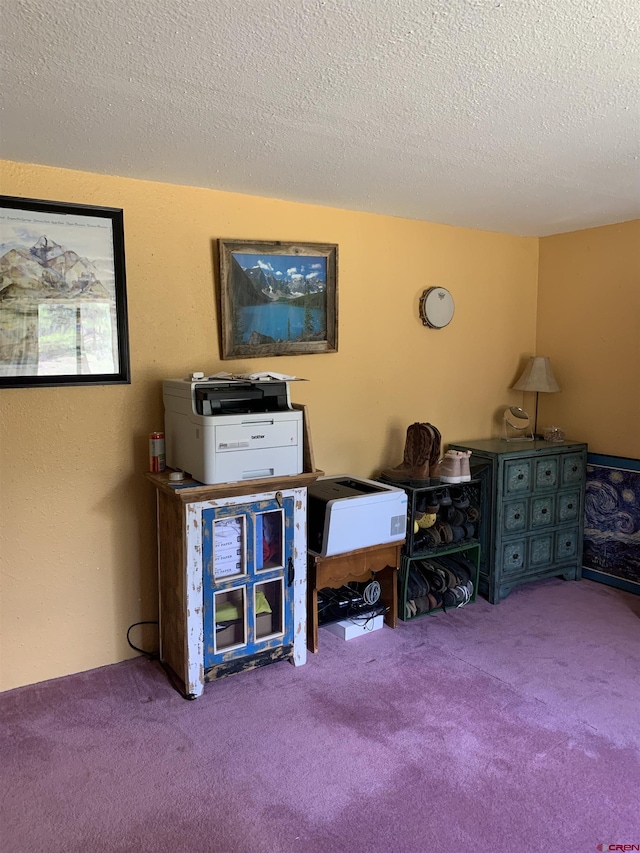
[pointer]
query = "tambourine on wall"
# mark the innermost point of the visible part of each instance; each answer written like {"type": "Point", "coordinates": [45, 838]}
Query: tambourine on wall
{"type": "Point", "coordinates": [436, 307]}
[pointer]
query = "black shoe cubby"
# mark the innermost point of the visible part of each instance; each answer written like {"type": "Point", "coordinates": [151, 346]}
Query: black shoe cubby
{"type": "Point", "coordinates": [457, 508]}
{"type": "Point", "coordinates": [435, 584]}
{"type": "Point", "coordinates": [446, 497]}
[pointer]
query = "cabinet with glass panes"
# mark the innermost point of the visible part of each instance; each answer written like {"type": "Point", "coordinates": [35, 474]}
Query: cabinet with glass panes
{"type": "Point", "coordinates": [232, 577]}
{"type": "Point", "coordinates": [248, 582]}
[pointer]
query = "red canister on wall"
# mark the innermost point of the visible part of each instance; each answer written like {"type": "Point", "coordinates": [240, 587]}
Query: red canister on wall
{"type": "Point", "coordinates": [156, 452]}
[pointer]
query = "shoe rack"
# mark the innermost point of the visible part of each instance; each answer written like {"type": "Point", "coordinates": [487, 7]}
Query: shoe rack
{"type": "Point", "coordinates": [439, 582]}
{"type": "Point", "coordinates": [443, 520]}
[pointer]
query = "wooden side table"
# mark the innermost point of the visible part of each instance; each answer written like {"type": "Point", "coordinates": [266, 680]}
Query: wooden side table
{"type": "Point", "coordinates": [356, 566]}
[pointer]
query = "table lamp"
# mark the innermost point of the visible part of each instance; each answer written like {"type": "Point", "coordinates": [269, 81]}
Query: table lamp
{"type": "Point", "coordinates": [537, 376]}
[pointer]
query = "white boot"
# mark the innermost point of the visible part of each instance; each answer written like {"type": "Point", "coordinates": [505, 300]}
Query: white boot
{"type": "Point", "coordinates": [465, 469]}
{"type": "Point", "coordinates": [448, 468]}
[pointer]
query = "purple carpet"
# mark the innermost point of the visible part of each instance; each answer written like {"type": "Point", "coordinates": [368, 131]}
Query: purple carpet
{"type": "Point", "coordinates": [509, 729]}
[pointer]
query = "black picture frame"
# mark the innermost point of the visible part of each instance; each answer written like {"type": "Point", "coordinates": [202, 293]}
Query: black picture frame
{"type": "Point", "coordinates": [277, 298]}
{"type": "Point", "coordinates": [63, 301]}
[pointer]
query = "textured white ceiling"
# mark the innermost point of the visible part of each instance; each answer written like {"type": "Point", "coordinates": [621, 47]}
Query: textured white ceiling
{"type": "Point", "coordinates": [520, 116]}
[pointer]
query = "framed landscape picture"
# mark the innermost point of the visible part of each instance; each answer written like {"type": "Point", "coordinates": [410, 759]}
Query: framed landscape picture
{"type": "Point", "coordinates": [277, 298]}
{"type": "Point", "coordinates": [611, 552]}
{"type": "Point", "coordinates": [63, 307]}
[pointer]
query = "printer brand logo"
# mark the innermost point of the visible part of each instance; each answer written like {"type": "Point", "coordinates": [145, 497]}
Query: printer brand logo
{"type": "Point", "coordinates": [257, 436]}
{"type": "Point", "coordinates": [398, 525]}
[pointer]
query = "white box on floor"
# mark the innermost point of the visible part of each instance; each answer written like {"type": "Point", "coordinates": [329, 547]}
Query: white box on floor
{"type": "Point", "coordinates": [347, 630]}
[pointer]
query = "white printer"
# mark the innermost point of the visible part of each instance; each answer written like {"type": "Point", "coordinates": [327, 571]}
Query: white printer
{"type": "Point", "coordinates": [226, 430]}
{"type": "Point", "coordinates": [346, 513]}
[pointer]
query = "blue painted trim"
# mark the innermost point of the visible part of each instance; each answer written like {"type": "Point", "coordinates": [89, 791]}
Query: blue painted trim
{"type": "Point", "coordinates": [619, 462]}
{"type": "Point", "coordinates": [251, 511]}
{"type": "Point", "coordinates": [610, 580]}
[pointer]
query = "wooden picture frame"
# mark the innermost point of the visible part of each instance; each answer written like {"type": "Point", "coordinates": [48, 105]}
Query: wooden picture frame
{"type": "Point", "coordinates": [277, 298]}
{"type": "Point", "coordinates": [63, 304]}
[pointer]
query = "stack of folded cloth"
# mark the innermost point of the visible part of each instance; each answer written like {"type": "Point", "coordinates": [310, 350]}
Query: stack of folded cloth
{"type": "Point", "coordinates": [438, 583]}
{"type": "Point", "coordinates": [443, 516]}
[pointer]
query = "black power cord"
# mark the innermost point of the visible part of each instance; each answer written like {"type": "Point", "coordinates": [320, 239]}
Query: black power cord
{"type": "Point", "coordinates": [155, 656]}
{"type": "Point", "coordinates": [150, 655]}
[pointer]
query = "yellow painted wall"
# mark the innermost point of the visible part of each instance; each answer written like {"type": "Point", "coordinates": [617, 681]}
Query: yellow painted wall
{"type": "Point", "coordinates": [589, 326]}
{"type": "Point", "coordinates": [77, 524]}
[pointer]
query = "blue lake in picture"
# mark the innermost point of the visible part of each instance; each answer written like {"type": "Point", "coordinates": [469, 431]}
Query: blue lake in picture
{"type": "Point", "coordinates": [281, 322]}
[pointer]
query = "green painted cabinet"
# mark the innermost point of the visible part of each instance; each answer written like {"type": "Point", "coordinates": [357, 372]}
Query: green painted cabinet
{"type": "Point", "coordinates": [533, 511]}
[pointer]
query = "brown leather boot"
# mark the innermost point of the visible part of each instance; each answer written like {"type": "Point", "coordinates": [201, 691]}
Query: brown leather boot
{"type": "Point", "coordinates": [417, 453]}
{"type": "Point", "coordinates": [436, 447]}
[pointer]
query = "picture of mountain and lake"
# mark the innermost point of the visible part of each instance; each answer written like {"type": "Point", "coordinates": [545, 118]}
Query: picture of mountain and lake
{"type": "Point", "coordinates": [57, 305]}
{"type": "Point", "coordinates": [278, 298]}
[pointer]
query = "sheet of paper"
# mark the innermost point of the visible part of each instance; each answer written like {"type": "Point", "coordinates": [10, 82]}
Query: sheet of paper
{"type": "Point", "coordinates": [228, 547]}
{"type": "Point", "coordinates": [267, 374]}
{"type": "Point", "coordinates": [261, 376]}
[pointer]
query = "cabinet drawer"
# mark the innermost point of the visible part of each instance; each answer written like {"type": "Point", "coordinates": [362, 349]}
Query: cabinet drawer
{"type": "Point", "coordinates": [547, 473]}
{"type": "Point", "coordinates": [542, 512]}
{"type": "Point", "coordinates": [566, 544]}
{"type": "Point", "coordinates": [568, 506]}
{"type": "Point", "coordinates": [527, 555]}
{"type": "Point", "coordinates": [514, 519]}
{"type": "Point", "coordinates": [514, 556]}
{"type": "Point", "coordinates": [573, 469]}
{"type": "Point", "coordinates": [517, 476]}
{"type": "Point", "coordinates": [540, 551]}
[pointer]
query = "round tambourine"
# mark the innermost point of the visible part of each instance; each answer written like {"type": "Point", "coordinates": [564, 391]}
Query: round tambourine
{"type": "Point", "coordinates": [436, 307]}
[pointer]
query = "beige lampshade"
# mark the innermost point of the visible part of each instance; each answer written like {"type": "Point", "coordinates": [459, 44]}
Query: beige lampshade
{"type": "Point", "coordinates": [537, 376]}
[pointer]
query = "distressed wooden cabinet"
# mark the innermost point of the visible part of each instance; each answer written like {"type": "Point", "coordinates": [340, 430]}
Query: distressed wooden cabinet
{"type": "Point", "coordinates": [232, 576]}
{"type": "Point", "coordinates": [533, 511]}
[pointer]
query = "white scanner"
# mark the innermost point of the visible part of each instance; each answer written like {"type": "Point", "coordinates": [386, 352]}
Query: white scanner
{"type": "Point", "coordinates": [229, 430]}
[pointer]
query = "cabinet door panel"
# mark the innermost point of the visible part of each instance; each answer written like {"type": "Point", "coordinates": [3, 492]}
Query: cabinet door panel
{"type": "Point", "coordinates": [572, 469]}
{"type": "Point", "coordinates": [229, 546]}
{"type": "Point", "coordinates": [513, 556]}
{"type": "Point", "coordinates": [517, 476]}
{"type": "Point", "coordinates": [566, 544]}
{"type": "Point", "coordinates": [269, 608]}
{"type": "Point", "coordinates": [568, 506]}
{"type": "Point", "coordinates": [540, 550]}
{"type": "Point", "coordinates": [270, 538]}
{"type": "Point", "coordinates": [230, 619]}
{"type": "Point", "coordinates": [547, 473]}
{"type": "Point", "coordinates": [542, 511]}
{"type": "Point", "coordinates": [514, 519]}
